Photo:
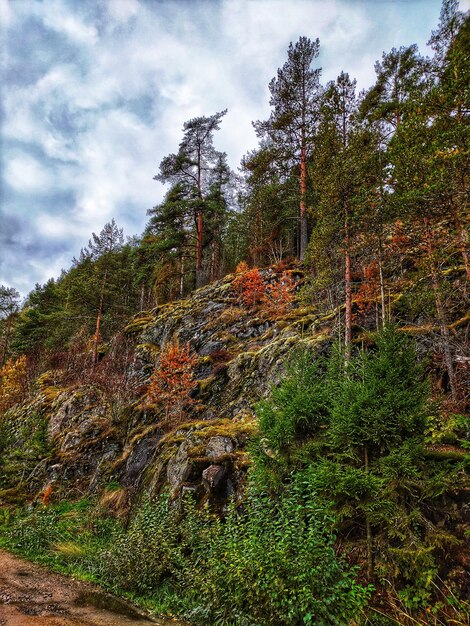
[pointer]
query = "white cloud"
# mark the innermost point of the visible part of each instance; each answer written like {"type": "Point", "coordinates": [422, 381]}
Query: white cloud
{"type": "Point", "coordinates": [26, 174]}
{"type": "Point", "coordinates": [123, 10]}
{"type": "Point", "coordinates": [71, 27]}
{"type": "Point", "coordinates": [55, 226]}
{"type": "Point", "coordinates": [6, 13]}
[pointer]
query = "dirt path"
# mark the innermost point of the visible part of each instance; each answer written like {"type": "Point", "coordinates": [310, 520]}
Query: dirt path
{"type": "Point", "coordinates": [33, 596]}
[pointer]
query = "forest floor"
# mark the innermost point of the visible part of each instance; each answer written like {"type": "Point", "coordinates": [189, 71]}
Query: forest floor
{"type": "Point", "coordinates": [32, 596]}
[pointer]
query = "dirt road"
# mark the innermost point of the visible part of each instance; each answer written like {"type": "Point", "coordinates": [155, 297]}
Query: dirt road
{"type": "Point", "coordinates": [33, 596]}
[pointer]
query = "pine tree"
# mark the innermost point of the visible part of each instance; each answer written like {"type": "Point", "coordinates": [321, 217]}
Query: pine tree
{"type": "Point", "coordinates": [399, 75]}
{"type": "Point", "coordinates": [449, 106]}
{"type": "Point", "coordinates": [268, 208]}
{"type": "Point", "coordinates": [295, 98]}
{"type": "Point", "coordinates": [165, 255]}
{"type": "Point", "coordinates": [429, 162]}
{"type": "Point", "coordinates": [193, 165]}
{"type": "Point", "coordinates": [217, 213]}
{"type": "Point", "coordinates": [338, 179]}
{"type": "Point", "coordinates": [110, 239]}
{"type": "Point", "coordinates": [101, 248]}
{"type": "Point", "coordinates": [9, 307]}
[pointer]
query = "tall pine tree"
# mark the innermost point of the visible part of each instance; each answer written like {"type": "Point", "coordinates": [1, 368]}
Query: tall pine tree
{"type": "Point", "coordinates": [291, 127]}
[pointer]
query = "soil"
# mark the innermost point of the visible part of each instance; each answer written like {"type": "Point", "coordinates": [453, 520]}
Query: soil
{"type": "Point", "coordinates": [32, 596]}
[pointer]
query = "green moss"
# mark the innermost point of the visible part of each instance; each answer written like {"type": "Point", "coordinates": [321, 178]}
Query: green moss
{"type": "Point", "coordinates": [138, 324]}
{"type": "Point", "coordinates": [151, 348]}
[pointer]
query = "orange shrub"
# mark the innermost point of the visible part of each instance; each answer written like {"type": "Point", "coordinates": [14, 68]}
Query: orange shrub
{"type": "Point", "coordinates": [249, 286]}
{"type": "Point", "coordinates": [280, 294]}
{"type": "Point", "coordinates": [173, 379]}
{"type": "Point", "coordinates": [368, 290]}
{"type": "Point", "coordinates": [46, 495]}
{"type": "Point", "coordinates": [242, 267]}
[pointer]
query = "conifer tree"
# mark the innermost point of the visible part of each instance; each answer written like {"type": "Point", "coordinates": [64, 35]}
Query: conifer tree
{"type": "Point", "coordinates": [430, 162]}
{"type": "Point", "coordinates": [269, 212]}
{"type": "Point", "coordinates": [338, 177]}
{"type": "Point", "coordinates": [379, 406]}
{"type": "Point", "coordinates": [193, 165]}
{"type": "Point", "coordinates": [168, 246]}
{"type": "Point", "coordinates": [399, 75]}
{"type": "Point", "coordinates": [217, 211]}
{"type": "Point", "coordinates": [449, 106]}
{"type": "Point", "coordinates": [291, 127]}
{"type": "Point", "coordinates": [101, 249]}
{"type": "Point", "coordinates": [9, 307]}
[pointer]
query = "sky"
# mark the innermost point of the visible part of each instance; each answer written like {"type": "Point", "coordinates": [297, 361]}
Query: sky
{"type": "Point", "coordinates": [95, 94]}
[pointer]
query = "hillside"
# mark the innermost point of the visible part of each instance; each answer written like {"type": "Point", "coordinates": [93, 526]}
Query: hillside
{"type": "Point", "coordinates": [256, 411]}
{"type": "Point", "coordinates": [98, 440]}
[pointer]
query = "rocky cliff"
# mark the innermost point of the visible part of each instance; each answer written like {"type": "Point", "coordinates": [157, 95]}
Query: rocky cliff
{"type": "Point", "coordinates": [76, 437]}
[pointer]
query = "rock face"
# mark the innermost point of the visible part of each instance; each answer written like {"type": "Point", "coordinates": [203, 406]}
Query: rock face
{"type": "Point", "coordinates": [213, 476]}
{"type": "Point", "coordinates": [217, 446]}
{"type": "Point", "coordinates": [240, 354]}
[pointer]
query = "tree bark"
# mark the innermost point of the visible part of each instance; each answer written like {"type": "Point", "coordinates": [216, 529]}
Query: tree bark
{"type": "Point", "coordinates": [199, 248]}
{"type": "Point", "coordinates": [462, 235]}
{"type": "Point", "coordinates": [347, 279]}
{"type": "Point", "coordinates": [441, 314]}
{"type": "Point", "coordinates": [97, 336]}
{"type": "Point", "coordinates": [199, 221]}
{"type": "Point", "coordinates": [182, 277]}
{"type": "Point", "coordinates": [382, 287]}
{"type": "Point", "coordinates": [303, 211]}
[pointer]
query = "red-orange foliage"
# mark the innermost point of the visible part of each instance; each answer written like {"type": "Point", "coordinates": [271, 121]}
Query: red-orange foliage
{"type": "Point", "coordinates": [280, 294]}
{"type": "Point", "coordinates": [172, 380]}
{"type": "Point", "coordinates": [47, 494]}
{"type": "Point", "coordinates": [249, 286]}
{"type": "Point", "coordinates": [13, 379]}
{"type": "Point", "coordinates": [242, 267]}
{"type": "Point", "coordinates": [368, 290]}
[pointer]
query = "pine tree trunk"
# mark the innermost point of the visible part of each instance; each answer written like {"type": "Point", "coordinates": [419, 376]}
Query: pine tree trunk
{"type": "Point", "coordinates": [348, 312]}
{"type": "Point", "coordinates": [199, 249]}
{"type": "Point", "coordinates": [382, 287]}
{"type": "Point", "coordinates": [441, 314]}
{"type": "Point", "coordinates": [462, 235]}
{"type": "Point", "coordinates": [182, 277]}
{"type": "Point", "coordinates": [199, 221]}
{"type": "Point", "coordinates": [7, 341]}
{"type": "Point", "coordinates": [96, 339]}
{"type": "Point", "coordinates": [214, 256]}
{"type": "Point", "coordinates": [303, 209]}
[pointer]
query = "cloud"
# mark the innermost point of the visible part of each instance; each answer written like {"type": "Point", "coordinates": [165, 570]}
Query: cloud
{"type": "Point", "coordinates": [123, 10]}
{"type": "Point", "coordinates": [26, 174]}
{"type": "Point", "coordinates": [6, 13]}
{"type": "Point", "coordinates": [97, 94]}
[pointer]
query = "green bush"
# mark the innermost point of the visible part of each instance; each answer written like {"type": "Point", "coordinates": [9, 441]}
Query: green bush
{"type": "Point", "coordinates": [275, 563]}
{"type": "Point", "coordinates": [149, 552]}
{"type": "Point", "coordinates": [298, 406]}
{"type": "Point", "coordinates": [381, 400]}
